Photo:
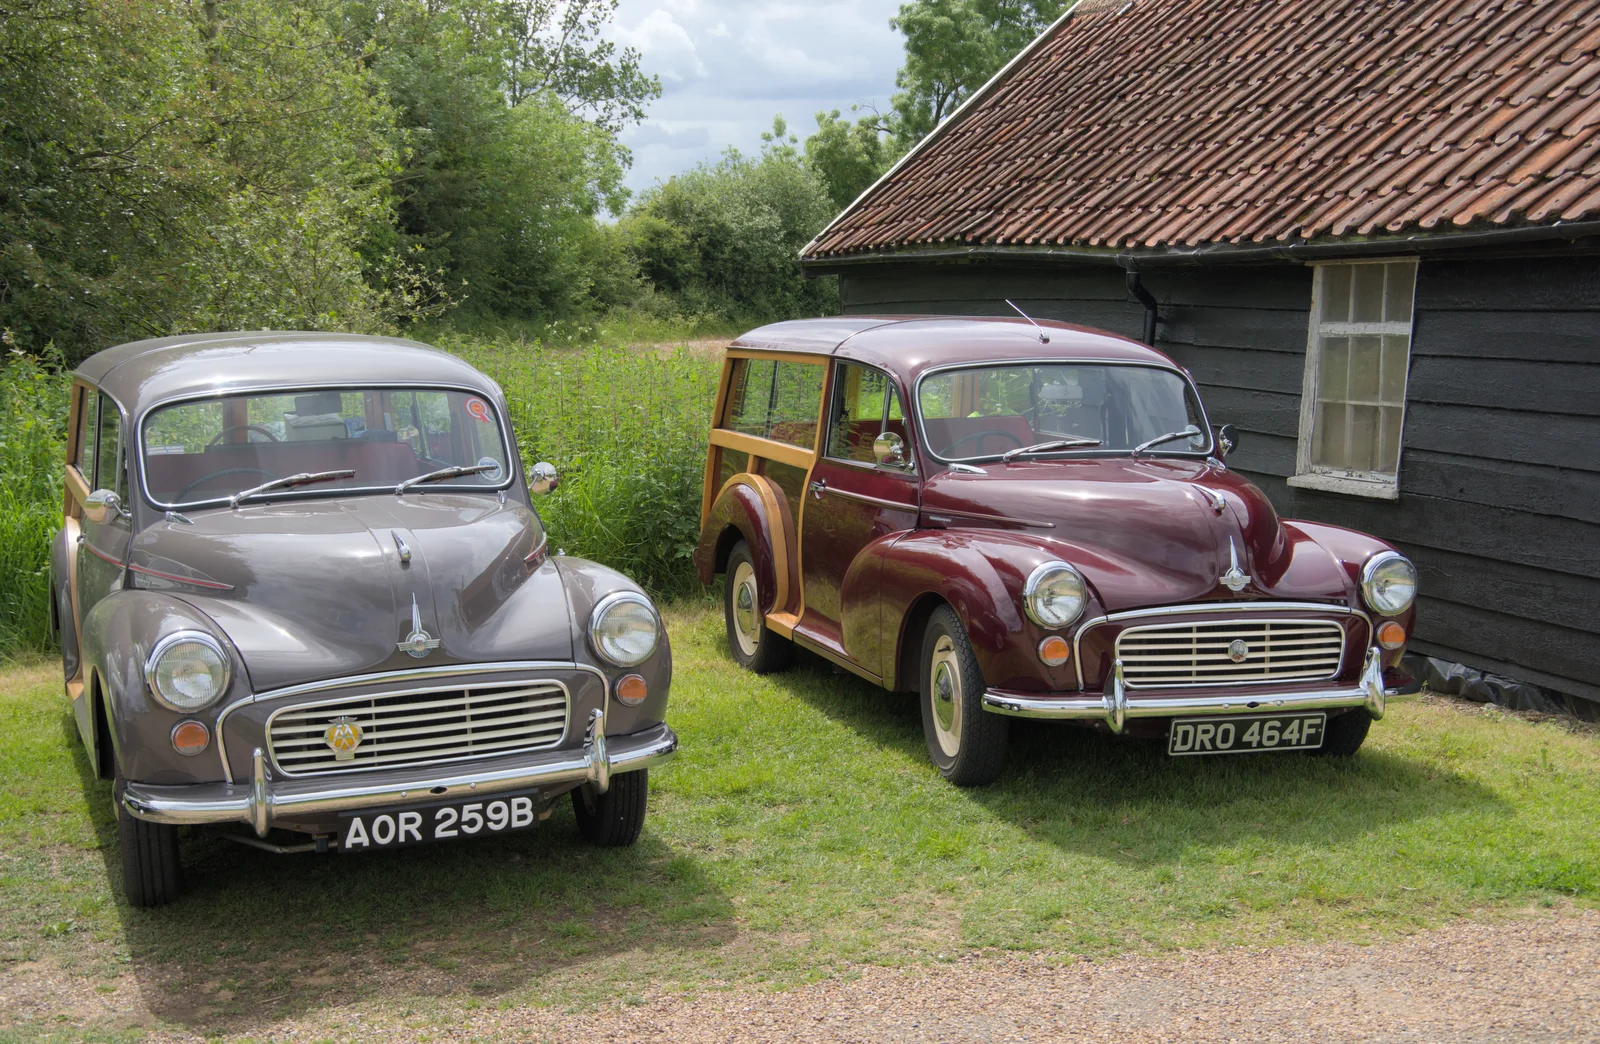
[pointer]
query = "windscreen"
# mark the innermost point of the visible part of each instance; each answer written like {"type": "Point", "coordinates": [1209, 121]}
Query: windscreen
{"type": "Point", "coordinates": [983, 412]}
{"type": "Point", "coordinates": [197, 452]}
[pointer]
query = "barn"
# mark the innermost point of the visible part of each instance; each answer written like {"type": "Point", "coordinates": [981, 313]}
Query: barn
{"type": "Point", "coordinates": [1371, 231]}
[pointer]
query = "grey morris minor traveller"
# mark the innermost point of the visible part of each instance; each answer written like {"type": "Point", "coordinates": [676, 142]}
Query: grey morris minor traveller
{"type": "Point", "coordinates": [301, 588]}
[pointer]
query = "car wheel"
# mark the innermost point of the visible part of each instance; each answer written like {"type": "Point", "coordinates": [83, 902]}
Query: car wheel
{"type": "Point", "coordinates": [1345, 734]}
{"type": "Point", "coordinates": [152, 874]}
{"type": "Point", "coordinates": [613, 819]}
{"type": "Point", "coordinates": [752, 643]}
{"type": "Point", "coordinates": [966, 742]}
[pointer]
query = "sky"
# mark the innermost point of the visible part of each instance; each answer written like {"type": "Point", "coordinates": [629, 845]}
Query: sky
{"type": "Point", "coordinates": [728, 66]}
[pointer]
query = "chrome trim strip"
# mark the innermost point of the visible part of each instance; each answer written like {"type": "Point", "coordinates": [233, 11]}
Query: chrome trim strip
{"type": "Point", "coordinates": [261, 803]}
{"type": "Point", "coordinates": [272, 752]}
{"type": "Point", "coordinates": [1115, 708]}
{"type": "Point", "coordinates": [981, 517]}
{"type": "Point", "coordinates": [1207, 608]}
{"type": "Point", "coordinates": [397, 677]}
{"type": "Point", "coordinates": [1344, 640]}
{"type": "Point", "coordinates": [862, 498]}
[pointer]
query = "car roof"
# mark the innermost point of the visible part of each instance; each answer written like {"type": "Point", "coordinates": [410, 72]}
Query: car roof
{"type": "Point", "coordinates": [909, 345]}
{"type": "Point", "coordinates": [142, 374]}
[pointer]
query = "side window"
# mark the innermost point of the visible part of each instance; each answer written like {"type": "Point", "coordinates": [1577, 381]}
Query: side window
{"type": "Point", "coordinates": [773, 399]}
{"type": "Point", "coordinates": [83, 459]}
{"type": "Point", "coordinates": [1357, 359]}
{"type": "Point", "coordinates": [107, 475]}
{"type": "Point", "coordinates": [865, 405]}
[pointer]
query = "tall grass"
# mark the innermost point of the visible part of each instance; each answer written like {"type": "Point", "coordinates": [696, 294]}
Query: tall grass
{"type": "Point", "coordinates": [33, 417]}
{"type": "Point", "coordinates": [626, 428]}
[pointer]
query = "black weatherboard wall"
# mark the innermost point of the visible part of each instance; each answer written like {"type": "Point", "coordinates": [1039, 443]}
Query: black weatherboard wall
{"type": "Point", "coordinates": [1500, 472]}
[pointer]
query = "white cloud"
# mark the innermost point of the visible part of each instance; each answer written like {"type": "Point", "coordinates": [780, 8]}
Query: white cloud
{"type": "Point", "coordinates": [728, 66]}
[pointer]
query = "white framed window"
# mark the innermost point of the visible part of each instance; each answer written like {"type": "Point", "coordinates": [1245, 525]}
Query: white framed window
{"type": "Point", "coordinates": [1358, 354]}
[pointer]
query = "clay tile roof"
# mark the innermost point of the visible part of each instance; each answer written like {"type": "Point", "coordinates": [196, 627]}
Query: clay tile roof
{"type": "Point", "coordinates": [1141, 125]}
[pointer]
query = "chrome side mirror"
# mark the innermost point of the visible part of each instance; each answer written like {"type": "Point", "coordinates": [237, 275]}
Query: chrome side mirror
{"type": "Point", "coordinates": [1227, 439]}
{"type": "Point", "coordinates": [542, 478]}
{"type": "Point", "coordinates": [890, 449]}
{"type": "Point", "coordinates": [103, 503]}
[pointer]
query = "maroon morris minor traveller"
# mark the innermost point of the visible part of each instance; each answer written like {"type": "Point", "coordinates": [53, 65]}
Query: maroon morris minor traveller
{"type": "Point", "coordinates": [301, 588]}
{"type": "Point", "coordinates": [1033, 521]}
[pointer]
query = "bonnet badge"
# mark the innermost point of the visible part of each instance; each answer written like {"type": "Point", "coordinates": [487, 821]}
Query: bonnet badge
{"type": "Point", "coordinates": [418, 643]}
{"type": "Point", "coordinates": [1235, 579]}
{"type": "Point", "coordinates": [343, 736]}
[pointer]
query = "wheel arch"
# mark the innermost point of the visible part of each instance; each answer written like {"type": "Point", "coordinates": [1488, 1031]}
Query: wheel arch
{"type": "Point", "coordinates": [908, 645]}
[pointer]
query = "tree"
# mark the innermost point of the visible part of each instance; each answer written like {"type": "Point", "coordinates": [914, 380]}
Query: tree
{"type": "Point", "coordinates": [953, 47]}
{"type": "Point", "coordinates": [849, 157]}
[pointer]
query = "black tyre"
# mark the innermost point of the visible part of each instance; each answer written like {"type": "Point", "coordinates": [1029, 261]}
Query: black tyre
{"type": "Point", "coordinates": [966, 743]}
{"type": "Point", "coordinates": [613, 819]}
{"type": "Point", "coordinates": [750, 641]}
{"type": "Point", "coordinates": [1345, 734]}
{"type": "Point", "coordinates": [152, 874]}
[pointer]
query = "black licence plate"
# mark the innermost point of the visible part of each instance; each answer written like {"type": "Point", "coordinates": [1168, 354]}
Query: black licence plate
{"type": "Point", "coordinates": [442, 821]}
{"type": "Point", "coordinates": [1246, 735]}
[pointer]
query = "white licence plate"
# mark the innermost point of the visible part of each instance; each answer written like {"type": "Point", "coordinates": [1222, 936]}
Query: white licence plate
{"type": "Point", "coordinates": [441, 821]}
{"type": "Point", "coordinates": [1246, 735]}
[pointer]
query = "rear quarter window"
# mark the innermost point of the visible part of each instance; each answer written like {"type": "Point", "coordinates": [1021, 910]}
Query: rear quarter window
{"type": "Point", "coordinates": [775, 399]}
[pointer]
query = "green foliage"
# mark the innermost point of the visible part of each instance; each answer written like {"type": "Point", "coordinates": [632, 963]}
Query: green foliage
{"type": "Point", "coordinates": [952, 48]}
{"type": "Point", "coordinates": [849, 157]}
{"type": "Point", "coordinates": [724, 239]}
{"type": "Point", "coordinates": [168, 166]}
{"type": "Point", "coordinates": [33, 437]}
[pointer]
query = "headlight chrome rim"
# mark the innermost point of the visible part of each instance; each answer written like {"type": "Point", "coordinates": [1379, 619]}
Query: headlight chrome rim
{"type": "Point", "coordinates": [1037, 578]}
{"type": "Point", "coordinates": [152, 666]}
{"type": "Point", "coordinates": [598, 616]}
{"type": "Point", "coordinates": [1369, 573]}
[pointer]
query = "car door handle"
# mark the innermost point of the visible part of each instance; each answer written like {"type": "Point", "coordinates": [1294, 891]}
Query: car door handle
{"type": "Point", "coordinates": [819, 487]}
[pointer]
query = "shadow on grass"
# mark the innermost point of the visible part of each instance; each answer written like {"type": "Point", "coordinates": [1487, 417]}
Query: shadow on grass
{"type": "Point", "coordinates": [1079, 788]}
{"type": "Point", "coordinates": [258, 937]}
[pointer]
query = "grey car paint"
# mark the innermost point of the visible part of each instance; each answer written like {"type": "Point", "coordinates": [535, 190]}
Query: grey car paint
{"type": "Point", "coordinates": [312, 586]}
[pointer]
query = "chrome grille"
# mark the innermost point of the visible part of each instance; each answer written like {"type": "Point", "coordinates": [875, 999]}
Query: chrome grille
{"type": "Point", "coordinates": [1168, 655]}
{"type": "Point", "coordinates": [443, 724]}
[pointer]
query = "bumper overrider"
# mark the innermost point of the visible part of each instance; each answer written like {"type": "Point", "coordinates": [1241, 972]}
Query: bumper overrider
{"type": "Point", "coordinates": [1115, 708]}
{"type": "Point", "coordinates": [262, 800]}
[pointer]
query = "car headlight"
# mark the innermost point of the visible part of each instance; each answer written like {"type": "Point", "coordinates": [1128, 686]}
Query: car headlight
{"type": "Point", "coordinates": [187, 671]}
{"type": "Point", "coordinates": [624, 629]}
{"type": "Point", "coordinates": [1054, 595]}
{"type": "Point", "coordinates": [1389, 583]}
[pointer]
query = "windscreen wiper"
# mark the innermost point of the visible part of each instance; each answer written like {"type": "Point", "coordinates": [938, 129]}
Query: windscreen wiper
{"type": "Point", "coordinates": [1054, 444]}
{"type": "Point", "coordinates": [305, 478]}
{"type": "Point", "coordinates": [1170, 436]}
{"type": "Point", "coordinates": [445, 473]}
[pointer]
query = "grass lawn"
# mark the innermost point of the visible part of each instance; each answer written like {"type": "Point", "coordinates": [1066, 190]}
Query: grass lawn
{"type": "Point", "coordinates": [800, 832]}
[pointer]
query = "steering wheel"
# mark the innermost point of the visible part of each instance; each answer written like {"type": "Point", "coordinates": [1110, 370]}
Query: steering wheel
{"type": "Point", "coordinates": [979, 435]}
{"type": "Point", "coordinates": [202, 480]}
{"type": "Point", "coordinates": [248, 427]}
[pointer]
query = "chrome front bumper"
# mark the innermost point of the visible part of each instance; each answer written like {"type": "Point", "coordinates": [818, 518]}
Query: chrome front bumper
{"type": "Point", "coordinates": [1115, 708]}
{"type": "Point", "coordinates": [262, 801]}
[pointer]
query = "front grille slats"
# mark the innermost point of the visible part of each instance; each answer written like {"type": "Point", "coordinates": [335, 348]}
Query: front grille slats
{"type": "Point", "coordinates": [429, 726]}
{"type": "Point", "coordinates": [1192, 654]}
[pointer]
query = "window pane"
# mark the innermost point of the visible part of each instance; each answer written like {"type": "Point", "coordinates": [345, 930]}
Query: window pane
{"type": "Point", "coordinates": [1365, 367]}
{"type": "Point", "coordinates": [730, 463]}
{"type": "Point", "coordinates": [796, 400]}
{"type": "Point", "coordinates": [1402, 281]}
{"type": "Point", "coordinates": [1367, 295]}
{"type": "Point", "coordinates": [1334, 380]}
{"type": "Point", "coordinates": [1328, 449]}
{"type": "Point", "coordinates": [857, 412]}
{"type": "Point", "coordinates": [1396, 353]}
{"type": "Point", "coordinates": [1389, 451]}
{"type": "Point", "coordinates": [1336, 293]}
{"type": "Point", "coordinates": [105, 476]}
{"type": "Point", "coordinates": [1363, 438]}
{"type": "Point", "coordinates": [750, 395]}
{"type": "Point", "coordinates": [85, 457]}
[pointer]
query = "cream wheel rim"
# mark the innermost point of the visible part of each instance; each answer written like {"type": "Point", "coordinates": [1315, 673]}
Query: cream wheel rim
{"type": "Point", "coordinates": [746, 609]}
{"type": "Point", "coordinates": [944, 695]}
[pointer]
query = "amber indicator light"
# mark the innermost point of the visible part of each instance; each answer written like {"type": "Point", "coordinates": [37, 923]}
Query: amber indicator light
{"type": "Point", "coordinates": [1054, 650]}
{"type": "Point", "coordinates": [631, 689]}
{"type": "Point", "coordinates": [1391, 635]}
{"type": "Point", "coordinates": [190, 738]}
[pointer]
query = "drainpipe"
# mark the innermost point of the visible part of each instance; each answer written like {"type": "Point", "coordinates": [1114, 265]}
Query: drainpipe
{"type": "Point", "coordinates": [1137, 290]}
